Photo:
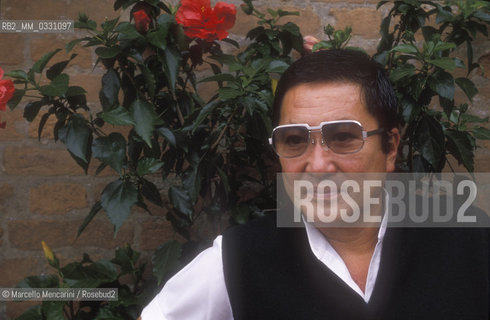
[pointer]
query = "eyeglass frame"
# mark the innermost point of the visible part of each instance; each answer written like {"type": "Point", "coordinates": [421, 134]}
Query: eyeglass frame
{"type": "Point", "coordinates": [365, 134]}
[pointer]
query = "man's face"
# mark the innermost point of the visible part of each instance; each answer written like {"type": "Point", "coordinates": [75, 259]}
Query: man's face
{"type": "Point", "coordinates": [320, 102]}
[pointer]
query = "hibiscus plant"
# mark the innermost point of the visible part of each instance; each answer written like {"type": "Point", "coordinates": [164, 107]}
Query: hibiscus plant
{"type": "Point", "coordinates": [198, 159]}
{"type": "Point", "coordinates": [208, 159]}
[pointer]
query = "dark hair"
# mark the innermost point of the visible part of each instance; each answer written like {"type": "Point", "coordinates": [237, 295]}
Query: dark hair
{"type": "Point", "coordinates": [342, 65]}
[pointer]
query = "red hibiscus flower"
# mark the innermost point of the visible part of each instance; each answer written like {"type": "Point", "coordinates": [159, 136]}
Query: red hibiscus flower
{"type": "Point", "coordinates": [202, 21]}
{"type": "Point", "coordinates": [6, 91]}
{"type": "Point", "coordinates": [141, 21]}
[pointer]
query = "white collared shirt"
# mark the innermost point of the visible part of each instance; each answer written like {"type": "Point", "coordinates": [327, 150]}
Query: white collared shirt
{"type": "Point", "coordinates": [198, 291]}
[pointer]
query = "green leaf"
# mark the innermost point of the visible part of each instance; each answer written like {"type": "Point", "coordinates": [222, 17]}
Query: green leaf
{"type": "Point", "coordinates": [117, 199]}
{"type": "Point", "coordinates": [402, 72]}
{"type": "Point", "coordinates": [229, 60]}
{"type": "Point", "coordinates": [219, 77]}
{"type": "Point", "coordinates": [428, 32]}
{"type": "Point", "coordinates": [32, 109]}
{"type": "Point", "coordinates": [70, 45]}
{"type": "Point", "coordinates": [472, 118]}
{"type": "Point", "coordinates": [148, 165]}
{"type": "Point", "coordinates": [273, 13]}
{"type": "Point", "coordinates": [84, 22]}
{"type": "Point", "coordinates": [126, 258]}
{"type": "Point", "coordinates": [78, 137]}
{"type": "Point", "coordinates": [74, 91]}
{"type": "Point", "coordinates": [167, 134]}
{"type": "Point", "coordinates": [460, 146]}
{"type": "Point", "coordinates": [58, 68]}
{"type": "Point", "coordinates": [430, 141]}
{"type": "Point", "coordinates": [321, 45]}
{"type": "Point", "coordinates": [228, 93]}
{"type": "Point", "coordinates": [42, 281]}
{"type": "Point", "coordinates": [118, 117]}
{"type": "Point", "coordinates": [111, 150]}
{"type": "Point", "coordinates": [467, 86]}
{"type": "Point", "coordinates": [204, 113]}
{"type": "Point", "coordinates": [277, 66]}
{"type": "Point", "coordinates": [158, 37]}
{"type": "Point", "coordinates": [444, 63]}
{"type": "Point", "coordinates": [53, 310]}
{"type": "Point", "coordinates": [149, 79]}
{"type": "Point", "coordinates": [110, 89]}
{"type": "Point", "coordinates": [150, 192]}
{"type": "Point", "coordinates": [283, 13]}
{"type": "Point", "coordinates": [127, 31]}
{"type": "Point", "coordinates": [165, 259]}
{"type": "Point", "coordinates": [108, 52]}
{"type": "Point", "coordinates": [16, 98]}
{"type": "Point", "coordinates": [93, 212]}
{"type": "Point", "coordinates": [406, 48]}
{"type": "Point", "coordinates": [93, 275]}
{"type": "Point", "coordinates": [17, 74]}
{"type": "Point", "coordinates": [181, 200]}
{"type": "Point", "coordinates": [107, 313]}
{"type": "Point", "coordinates": [482, 15]}
{"type": "Point", "coordinates": [191, 179]}
{"type": "Point", "coordinates": [481, 133]}
{"type": "Point", "coordinates": [57, 87]}
{"type": "Point", "coordinates": [144, 118]}
{"type": "Point", "coordinates": [442, 46]}
{"type": "Point", "coordinates": [32, 313]}
{"type": "Point", "coordinates": [109, 25]}
{"type": "Point", "coordinates": [443, 84]}
{"type": "Point", "coordinates": [172, 65]}
{"type": "Point", "coordinates": [39, 66]}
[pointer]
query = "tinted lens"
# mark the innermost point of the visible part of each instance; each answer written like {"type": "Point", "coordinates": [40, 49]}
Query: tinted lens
{"type": "Point", "coordinates": [343, 137]}
{"type": "Point", "coordinates": [290, 141]}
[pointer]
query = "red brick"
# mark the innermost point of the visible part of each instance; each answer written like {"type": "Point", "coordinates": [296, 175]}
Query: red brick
{"type": "Point", "coordinates": [6, 192]}
{"type": "Point", "coordinates": [484, 62]}
{"type": "Point", "coordinates": [11, 48]}
{"type": "Point", "coordinates": [27, 235]}
{"type": "Point", "coordinates": [90, 82]}
{"type": "Point", "coordinates": [365, 22]}
{"type": "Point", "coordinates": [207, 90]}
{"type": "Point", "coordinates": [58, 198]}
{"type": "Point", "coordinates": [16, 269]}
{"type": "Point", "coordinates": [47, 132]}
{"type": "Point", "coordinates": [50, 42]}
{"type": "Point", "coordinates": [16, 308]}
{"type": "Point", "coordinates": [57, 9]}
{"type": "Point", "coordinates": [100, 234]}
{"type": "Point", "coordinates": [155, 233]}
{"type": "Point", "coordinates": [14, 125]}
{"type": "Point", "coordinates": [27, 161]}
{"type": "Point", "coordinates": [308, 21]}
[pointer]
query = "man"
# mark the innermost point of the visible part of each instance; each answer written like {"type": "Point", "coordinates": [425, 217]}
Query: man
{"type": "Point", "coordinates": [334, 113]}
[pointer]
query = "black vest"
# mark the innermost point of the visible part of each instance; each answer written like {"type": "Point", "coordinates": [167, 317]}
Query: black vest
{"type": "Point", "coordinates": [271, 273]}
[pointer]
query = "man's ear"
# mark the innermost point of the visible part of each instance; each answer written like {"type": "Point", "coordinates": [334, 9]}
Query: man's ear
{"type": "Point", "coordinates": [394, 141]}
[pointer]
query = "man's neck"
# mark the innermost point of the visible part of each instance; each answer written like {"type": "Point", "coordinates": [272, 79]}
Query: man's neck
{"type": "Point", "coordinates": [356, 247]}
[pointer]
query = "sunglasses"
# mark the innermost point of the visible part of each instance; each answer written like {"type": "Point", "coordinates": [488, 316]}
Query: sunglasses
{"type": "Point", "coordinates": [342, 137]}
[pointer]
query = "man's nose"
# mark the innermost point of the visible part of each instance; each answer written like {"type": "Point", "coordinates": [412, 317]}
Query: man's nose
{"type": "Point", "coordinates": [319, 157]}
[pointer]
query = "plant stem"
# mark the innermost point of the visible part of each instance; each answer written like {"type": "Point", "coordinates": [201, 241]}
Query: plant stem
{"type": "Point", "coordinates": [221, 134]}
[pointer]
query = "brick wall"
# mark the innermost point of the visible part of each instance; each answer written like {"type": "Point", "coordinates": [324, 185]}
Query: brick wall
{"type": "Point", "coordinates": [44, 195]}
